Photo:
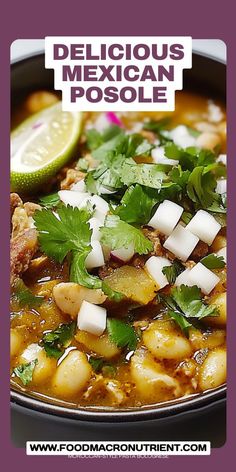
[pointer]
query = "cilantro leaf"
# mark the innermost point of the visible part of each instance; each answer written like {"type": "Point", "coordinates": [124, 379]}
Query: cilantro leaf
{"type": "Point", "coordinates": [79, 273]}
{"type": "Point", "coordinates": [185, 304]}
{"type": "Point", "coordinates": [201, 187]}
{"type": "Point", "coordinates": [25, 297]}
{"type": "Point", "coordinates": [190, 157]}
{"type": "Point", "coordinates": [112, 153]}
{"type": "Point", "coordinates": [186, 217]}
{"type": "Point", "coordinates": [137, 146]}
{"type": "Point", "coordinates": [179, 176]}
{"type": "Point", "coordinates": [111, 294]}
{"type": "Point", "coordinates": [116, 145]}
{"type": "Point", "coordinates": [68, 236]}
{"type": "Point", "coordinates": [117, 233]}
{"type": "Point", "coordinates": [180, 320]}
{"type": "Point", "coordinates": [149, 175]}
{"type": "Point", "coordinates": [96, 139]}
{"type": "Point", "coordinates": [99, 364]}
{"type": "Point", "coordinates": [50, 201]}
{"type": "Point", "coordinates": [172, 272]}
{"type": "Point", "coordinates": [82, 164]}
{"type": "Point", "coordinates": [136, 204]}
{"type": "Point", "coordinates": [96, 363]}
{"type": "Point", "coordinates": [70, 232]}
{"type": "Point", "coordinates": [212, 261]}
{"type": "Point", "coordinates": [121, 333]}
{"type": "Point", "coordinates": [108, 172]}
{"type": "Point", "coordinates": [25, 371]}
{"type": "Point", "coordinates": [190, 303]}
{"type": "Point", "coordinates": [55, 342]}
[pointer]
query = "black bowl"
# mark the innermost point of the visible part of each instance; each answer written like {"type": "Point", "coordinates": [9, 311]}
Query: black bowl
{"type": "Point", "coordinates": [207, 76]}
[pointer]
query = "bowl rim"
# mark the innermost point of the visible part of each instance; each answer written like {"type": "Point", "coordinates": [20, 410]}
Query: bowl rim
{"type": "Point", "coordinates": [94, 414]}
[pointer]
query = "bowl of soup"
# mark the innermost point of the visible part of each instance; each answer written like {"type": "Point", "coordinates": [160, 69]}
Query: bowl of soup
{"type": "Point", "coordinates": [118, 252]}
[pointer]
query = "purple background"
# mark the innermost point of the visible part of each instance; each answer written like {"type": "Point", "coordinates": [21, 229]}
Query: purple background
{"type": "Point", "coordinates": [27, 19]}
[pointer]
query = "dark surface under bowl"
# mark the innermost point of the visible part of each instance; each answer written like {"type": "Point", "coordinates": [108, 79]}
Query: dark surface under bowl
{"type": "Point", "coordinates": [207, 76]}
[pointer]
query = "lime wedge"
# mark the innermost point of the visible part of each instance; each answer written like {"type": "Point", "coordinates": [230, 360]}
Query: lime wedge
{"type": "Point", "coordinates": [41, 145]}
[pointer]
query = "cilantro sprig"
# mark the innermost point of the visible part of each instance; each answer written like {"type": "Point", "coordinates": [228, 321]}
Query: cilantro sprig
{"type": "Point", "coordinates": [50, 201]}
{"type": "Point", "coordinates": [212, 261]}
{"type": "Point", "coordinates": [25, 371]}
{"type": "Point", "coordinates": [117, 233]}
{"type": "Point", "coordinates": [55, 342]}
{"type": "Point", "coordinates": [68, 234]}
{"type": "Point", "coordinates": [185, 305]}
{"type": "Point", "coordinates": [25, 297]}
{"type": "Point", "coordinates": [122, 334]}
{"type": "Point", "coordinates": [172, 272]}
{"type": "Point", "coordinates": [101, 365]}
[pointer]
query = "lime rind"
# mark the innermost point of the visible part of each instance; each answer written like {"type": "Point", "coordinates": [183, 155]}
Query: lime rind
{"type": "Point", "coordinates": [22, 179]}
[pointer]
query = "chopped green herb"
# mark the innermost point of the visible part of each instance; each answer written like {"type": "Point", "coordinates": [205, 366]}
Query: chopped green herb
{"type": "Point", "coordinates": [97, 363]}
{"type": "Point", "coordinates": [189, 302]}
{"type": "Point", "coordinates": [186, 217]}
{"type": "Point", "coordinates": [68, 235]}
{"type": "Point", "coordinates": [96, 139]}
{"type": "Point", "coordinates": [149, 175]}
{"type": "Point", "coordinates": [25, 297]}
{"type": "Point", "coordinates": [185, 305]}
{"type": "Point", "coordinates": [117, 234]}
{"type": "Point", "coordinates": [180, 320]}
{"type": "Point", "coordinates": [79, 273]}
{"type": "Point", "coordinates": [179, 176]}
{"type": "Point", "coordinates": [122, 334]}
{"type": "Point", "coordinates": [201, 187]}
{"type": "Point", "coordinates": [50, 201]}
{"type": "Point", "coordinates": [136, 204]}
{"type": "Point", "coordinates": [82, 164]}
{"type": "Point", "coordinates": [212, 261]}
{"type": "Point", "coordinates": [190, 157]}
{"type": "Point", "coordinates": [100, 365]}
{"type": "Point", "coordinates": [111, 294]}
{"type": "Point", "coordinates": [55, 342]}
{"type": "Point", "coordinates": [172, 272]}
{"type": "Point", "coordinates": [25, 371]}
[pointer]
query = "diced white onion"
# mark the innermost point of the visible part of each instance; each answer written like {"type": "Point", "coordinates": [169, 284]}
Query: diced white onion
{"type": "Point", "coordinates": [79, 186]}
{"type": "Point", "coordinates": [106, 191]}
{"type": "Point", "coordinates": [158, 155]}
{"type": "Point", "coordinates": [222, 158]}
{"type": "Point", "coordinates": [74, 199]}
{"type": "Point", "coordinates": [182, 137]}
{"type": "Point", "coordinates": [31, 352]}
{"type": "Point", "coordinates": [100, 203]}
{"type": "Point", "coordinates": [101, 123]}
{"type": "Point", "coordinates": [184, 279]}
{"type": "Point", "coordinates": [123, 254]}
{"type": "Point", "coordinates": [204, 278]}
{"type": "Point", "coordinates": [204, 226]}
{"type": "Point", "coordinates": [154, 266]}
{"type": "Point", "coordinates": [181, 242]}
{"type": "Point", "coordinates": [95, 225]}
{"type": "Point", "coordinates": [95, 258]}
{"type": "Point", "coordinates": [221, 186]}
{"type": "Point", "coordinates": [223, 252]}
{"type": "Point", "coordinates": [92, 318]}
{"type": "Point", "coordinates": [166, 217]}
{"type": "Point", "coordinates": [214, 112]}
